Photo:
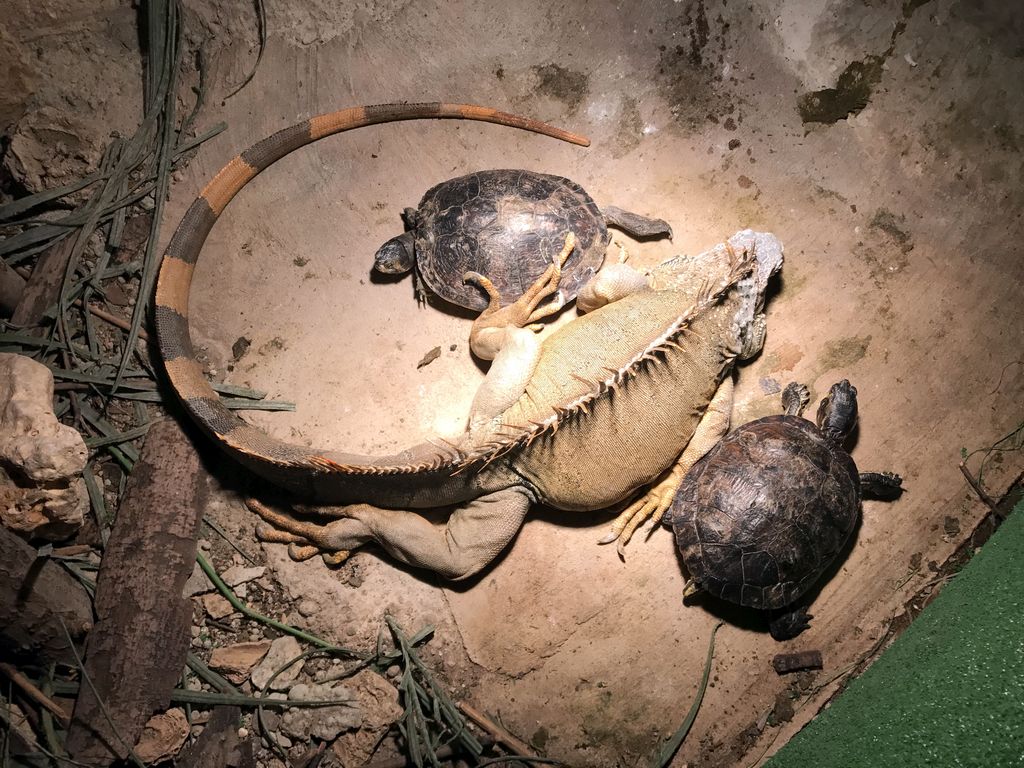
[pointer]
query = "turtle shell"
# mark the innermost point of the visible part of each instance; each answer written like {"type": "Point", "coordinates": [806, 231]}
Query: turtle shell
{"type": "Point", "coordinates": [765, 512]}
{"type": "Point", "coordinates": [508, 225]}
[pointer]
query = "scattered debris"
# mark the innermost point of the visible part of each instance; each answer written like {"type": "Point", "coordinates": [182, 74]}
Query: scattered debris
{"type": "Point", "coordinates": [163, 736]}
{"type": "Point", "coordinates": [236, 660]}
{"type": "Point", "coordinates": [197, 583]}
{"type": "Point", "coordinates": [430, 357]}
{"type": "Point", "coordinates": [325, 723]}
{"type": "Point", "coordinates": [378, 701]}
{"type": "Point", "coordinates": [283, 650]}
{"type": "Point", "coordinates": [784, 663]}
{"type": "Point", "coordinates": [216, 606]}
{"type": "Point", "coordinates": [239, 574]}
{"type": "Point", "coordinates": [240, 347]}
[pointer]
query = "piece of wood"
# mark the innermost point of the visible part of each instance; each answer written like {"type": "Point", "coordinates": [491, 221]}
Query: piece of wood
{"type": "Point", "coordinates": [784, 663]}
{"type": "Point", "coordinates": [496, 732]}
{"type": "Point", "coordinates": [29, 689]}
{"type": "Point", "coordinates": [219, 745]}
{"type": "Point", "coordinates": [136, 652]}
{"type": "Point", "coordinates": [43, 287]}
{"type": "Point", "coordinates": [11, 287]}
{"type": "Point", "coordinates": [36, 595]}
{"type": "Point", "coordinates": [102, 314]}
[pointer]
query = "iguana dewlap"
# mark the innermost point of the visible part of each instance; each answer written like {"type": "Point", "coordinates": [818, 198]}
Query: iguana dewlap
{"type": "Point", "coordinates": [634, 391]}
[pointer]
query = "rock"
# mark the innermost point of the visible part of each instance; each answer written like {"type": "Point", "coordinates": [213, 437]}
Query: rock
{"type": "Point", "coordinates": [282, 650]}
{"type": "Point", "coordinates": [325, 723]}
{"type": "Point", "coordinates": [41, 460]}
{"type": "Point", "coordinates": [238, 574]}
{"type": "Point", "coordinates": [308, 608]}
{"type": "Point", "coordinates": [235, 661]}
{"type": "Point", "coordinates": [163, 736]}
{"type": "Point", "coordinates": [47, 149]}
{"type": "Point", "coordinates": [18, 80]}
{"type": "Point", "coordinates": [216, 606]}
{"type": "Point", "coordinates": [378, 700]}
{"type": "Point", "coordinates": [197, 583]}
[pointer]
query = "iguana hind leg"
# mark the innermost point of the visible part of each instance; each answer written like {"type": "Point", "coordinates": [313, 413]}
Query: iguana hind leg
{"type": "Point", "coordinates": [473, 536]}
{"type": "Point", "coordinates": [657, 500]}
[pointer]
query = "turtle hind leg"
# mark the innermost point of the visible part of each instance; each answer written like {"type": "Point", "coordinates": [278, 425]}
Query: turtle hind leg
{"type": "Point", "coordinates": [634, 224]}
{"type": "Point", "coordinates": [787, 623]}
{"type": "Point", "coordinates": [884, 486]}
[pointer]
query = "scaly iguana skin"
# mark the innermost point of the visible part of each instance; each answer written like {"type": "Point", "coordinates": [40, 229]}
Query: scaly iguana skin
{"type": "Point", "coordinates": [578, 421]}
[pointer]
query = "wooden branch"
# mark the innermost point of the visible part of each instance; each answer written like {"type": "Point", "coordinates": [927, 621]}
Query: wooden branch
{"type": "Point", "coordinates": [43, 287]}
{"type": "Point", "coordinates": [30, 690]}
{"type": "Point", "coordinates": [102, 314]}
{"type": "Point", "coordinates": [11, 287]}
{"type": "Point", "coordinates": [982, 494]}
{"type": "Point", "coordinates": [36, 595]}
{"type": "Point", "coordinates": [137, 650]}
{"type": "Point", "coordinates": [496, 732]}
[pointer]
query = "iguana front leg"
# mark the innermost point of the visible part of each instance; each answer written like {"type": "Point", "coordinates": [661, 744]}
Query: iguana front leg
{"type": "Point", "coordinates": [473, 536]}
{"type": "Point", "coordinates": [613, 282]}
{"type": "Point", "coordinates": [655, 502]}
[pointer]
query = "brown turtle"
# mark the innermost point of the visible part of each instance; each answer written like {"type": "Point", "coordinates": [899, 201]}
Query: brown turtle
{"type": "Point", "coordinates": [769, 508]}
{"type": "Point", "coordinates": [508, 225]}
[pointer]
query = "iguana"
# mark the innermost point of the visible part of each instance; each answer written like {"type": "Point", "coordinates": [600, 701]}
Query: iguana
{"type": "Point", "coordinates": [631, 392]}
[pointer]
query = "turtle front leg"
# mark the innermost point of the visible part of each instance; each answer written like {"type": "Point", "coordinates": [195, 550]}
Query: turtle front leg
{"type": "Point", "coordinates": [658, 499]}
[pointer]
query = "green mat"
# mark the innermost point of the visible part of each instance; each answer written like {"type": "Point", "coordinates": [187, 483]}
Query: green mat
{"type": "Point", "coordinates": [950, 690]}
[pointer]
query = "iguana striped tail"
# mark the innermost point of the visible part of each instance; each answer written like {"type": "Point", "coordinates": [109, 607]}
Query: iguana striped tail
{"type": "Point", "coordinates": [250, 445]}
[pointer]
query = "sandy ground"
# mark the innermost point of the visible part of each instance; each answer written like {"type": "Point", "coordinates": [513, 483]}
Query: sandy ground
{"type": "Point", "coordinates": [902, 226]}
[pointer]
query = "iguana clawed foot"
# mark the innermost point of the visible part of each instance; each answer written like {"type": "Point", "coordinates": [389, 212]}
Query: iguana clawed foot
{"type": "Point", "coordinates": [653, 504]}
{"type": "Point", "coordinates": [489, 329]}
{"type": "Point", "coordinates": [333, 541]}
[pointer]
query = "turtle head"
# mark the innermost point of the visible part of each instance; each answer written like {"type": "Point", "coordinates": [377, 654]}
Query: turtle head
{"type": "Point", "coordinates": [837, 413]}
{"type": "Point", "coordinates": [396, 256]}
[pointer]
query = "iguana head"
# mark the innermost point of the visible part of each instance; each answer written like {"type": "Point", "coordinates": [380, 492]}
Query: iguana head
{"type": "Point", "coordinates": [749, 321]}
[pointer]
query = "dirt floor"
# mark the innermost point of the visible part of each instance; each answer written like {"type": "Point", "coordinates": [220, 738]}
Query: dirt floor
{"type": "Point", "coordinates": [881, 142]}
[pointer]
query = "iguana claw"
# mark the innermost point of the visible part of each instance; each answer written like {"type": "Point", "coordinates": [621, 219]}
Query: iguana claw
{"type": "Point", "coordinates": [304, 540]}
{"type": "Point", "coordinates": [654, 504]}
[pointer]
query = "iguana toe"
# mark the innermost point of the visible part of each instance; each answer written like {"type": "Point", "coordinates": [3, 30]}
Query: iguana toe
{"type": "Point", "coordinates": [608, 538]}
{"type": "Point", "coordinates": [335, 559]}
{"type": "Point", "coordinates": [302, 552]}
